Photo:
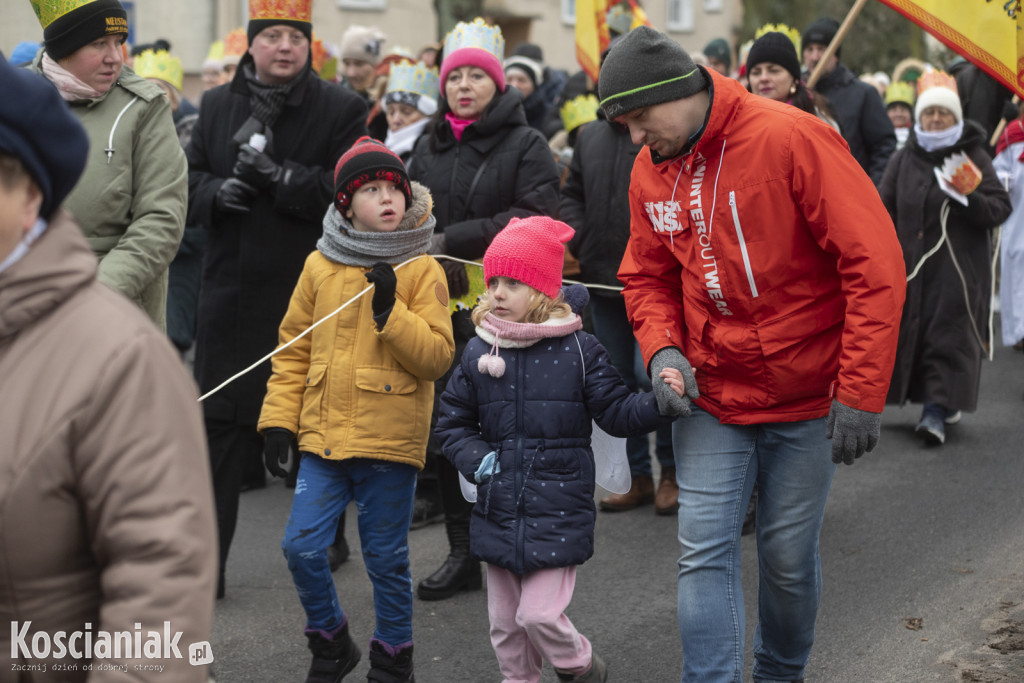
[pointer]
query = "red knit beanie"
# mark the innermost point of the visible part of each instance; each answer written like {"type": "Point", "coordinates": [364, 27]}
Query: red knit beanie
{"type": "Point", "coordinates": [368, 160]}
{"type": "Point", "coordinates": [530, 250]}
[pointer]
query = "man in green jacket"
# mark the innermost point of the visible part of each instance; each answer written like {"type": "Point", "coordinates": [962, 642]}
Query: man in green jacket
{"type": "Point", "coordinates": [132, 198]}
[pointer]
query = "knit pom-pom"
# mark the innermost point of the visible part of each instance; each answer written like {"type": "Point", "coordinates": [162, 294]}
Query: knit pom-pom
{"type": "Point", "coordinates": [491, 365]}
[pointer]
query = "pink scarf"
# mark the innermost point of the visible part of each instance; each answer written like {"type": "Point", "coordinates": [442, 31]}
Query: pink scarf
{"type": "Point", "coordinates": [70, 87]}
{"type": "Point", "coordinates": [458, 125]}
{"type": "Point", "coordinates": [508, 334]}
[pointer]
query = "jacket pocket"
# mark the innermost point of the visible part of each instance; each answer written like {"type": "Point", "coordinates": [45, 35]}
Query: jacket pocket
{"type": "Point", "coordinates": [389, 413]}
{"type": "Point", "coordinates": [741, 240]}
{"type": "Point", "coordinates": [313, 397]}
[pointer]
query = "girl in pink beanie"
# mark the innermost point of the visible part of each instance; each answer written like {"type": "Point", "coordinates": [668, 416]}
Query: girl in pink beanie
{"type": "Point", "coordinates": [516, 420]}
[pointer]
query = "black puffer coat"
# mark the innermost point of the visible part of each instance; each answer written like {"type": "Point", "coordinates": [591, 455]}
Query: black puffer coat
{"type": "Point", "coordinates": [595, 201]}
{"type": "Point", "coordinates": [253, 260]}
{"type": "Point", "coordinates": [938, 358]}
{"type": "Point", "coordinates": [862, 118]}
{"type": "Point", "coordinates": [538, 511]}
{"type": "Point", "coordinates": [518, 179]}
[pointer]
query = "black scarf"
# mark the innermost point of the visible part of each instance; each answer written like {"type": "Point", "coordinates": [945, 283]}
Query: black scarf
{"type": "Point", "coordinates": [265, 100]}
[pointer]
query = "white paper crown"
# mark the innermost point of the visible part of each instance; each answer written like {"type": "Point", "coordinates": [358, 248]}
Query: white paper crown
{"type": "Point", "coordinates": [475, 34]}
{"type": "Point", "coordinates": [415, 78]}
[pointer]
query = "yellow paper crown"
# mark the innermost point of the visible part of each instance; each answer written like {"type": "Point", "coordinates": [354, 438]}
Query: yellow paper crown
{"type": "Point", "coordinates": [936, 79]}
{"type": "Point", "coordinates": [415, 78]}
{"type": "Point", "coordinates": [216, 52]}
{"type": "Point", "coordinates": [577, 111]}
{"type": "Point", "coordinates": [160, 64]}
{"type": "Point", "coordinates": [788, 31]}
{"type": "Point", "coordinates": [900, 91]}
{"type": "Point", "coordinates": [475, 34]}
{"type": "Point", "coordinates": [49, 11]}
{"type": "Point", "coordinates": [291, 10]}
{"type": "Point", "coordinates": [236, 43]}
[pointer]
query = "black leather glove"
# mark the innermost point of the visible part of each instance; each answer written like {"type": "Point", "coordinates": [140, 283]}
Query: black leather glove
{"type": "Point", "coordinates": [382, 277]}
{"type": "Point", "coordinates": [670, 403]}
{"type": "Point", "coordinates": [458, 279]}
{"type": "Point", "coordinates": [853, 432]}
{"type": "Point", "coordinates": [235, 196]}
{"type": "Point", "coordinates": [256, 168]}
{"type": "Point", "coordinates": [278, 449]}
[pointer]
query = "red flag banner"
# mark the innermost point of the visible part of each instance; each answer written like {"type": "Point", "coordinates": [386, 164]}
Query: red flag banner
{"type": "Point", "coordinates": [989, 33]}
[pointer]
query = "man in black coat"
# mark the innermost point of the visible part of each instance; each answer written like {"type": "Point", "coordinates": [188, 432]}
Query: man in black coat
{"type": "Point", "coordinates": [261, 165]}
{"type": "Point", "coordinates": [858, 106]}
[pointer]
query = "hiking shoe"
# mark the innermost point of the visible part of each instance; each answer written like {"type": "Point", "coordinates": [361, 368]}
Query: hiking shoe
{"type": "Point", "coordinates": [932, 429]}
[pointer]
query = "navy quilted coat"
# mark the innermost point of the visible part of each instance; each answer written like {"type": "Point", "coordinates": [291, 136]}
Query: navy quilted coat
{"type": "Point", "coordinates": [538, 511]}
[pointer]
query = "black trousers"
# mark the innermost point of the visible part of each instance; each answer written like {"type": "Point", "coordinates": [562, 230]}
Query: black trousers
{"type": "Point", "coordinates": [232, 447]}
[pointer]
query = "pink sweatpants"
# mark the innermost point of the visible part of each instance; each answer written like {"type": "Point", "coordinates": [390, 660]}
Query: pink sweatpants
{"type": "Point", "coordinates": [528, 623]}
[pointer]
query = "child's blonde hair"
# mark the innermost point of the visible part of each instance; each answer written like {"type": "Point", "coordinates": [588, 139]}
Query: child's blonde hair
{"type": "Point", "coordinates": [541, 308]}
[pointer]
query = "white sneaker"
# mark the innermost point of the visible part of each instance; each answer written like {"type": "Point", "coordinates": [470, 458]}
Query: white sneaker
{"type": "Point", "coordinates": [953, 418]}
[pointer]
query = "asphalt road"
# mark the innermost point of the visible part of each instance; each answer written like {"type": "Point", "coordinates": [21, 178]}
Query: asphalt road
{"type": "Point", "coordinates": [923, 564]}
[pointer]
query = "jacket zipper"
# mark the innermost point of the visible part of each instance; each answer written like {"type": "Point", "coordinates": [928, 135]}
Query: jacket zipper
{"type": "Point", "coordinates": [743, 243]}
{"type": "Point", "coordinates": [520, 483]}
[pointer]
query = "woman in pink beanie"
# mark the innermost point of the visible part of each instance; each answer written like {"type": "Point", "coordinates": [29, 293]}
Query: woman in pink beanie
{"type": "Point", "coordinates": [483, 165]}
{"type": "Point", "coordinates": [516, 420]}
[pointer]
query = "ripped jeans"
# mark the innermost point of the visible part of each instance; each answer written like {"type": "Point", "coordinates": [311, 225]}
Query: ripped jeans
{"type": "Point", "coordinates": [383, 492]}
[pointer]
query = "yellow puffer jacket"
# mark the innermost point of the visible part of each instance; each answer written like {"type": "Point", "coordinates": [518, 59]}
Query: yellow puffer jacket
{"type": "Point", "coordinates": [348, 389]}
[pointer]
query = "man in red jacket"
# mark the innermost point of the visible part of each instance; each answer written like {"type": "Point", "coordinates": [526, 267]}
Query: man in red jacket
{"type": "Point", "coordinates": [762, 264]}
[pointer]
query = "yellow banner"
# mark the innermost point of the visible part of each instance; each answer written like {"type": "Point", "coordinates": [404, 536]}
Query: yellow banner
{"type": "Point", "coordinates": [591, 34]}
{"type": "Point", "coordinates": [989, 33]}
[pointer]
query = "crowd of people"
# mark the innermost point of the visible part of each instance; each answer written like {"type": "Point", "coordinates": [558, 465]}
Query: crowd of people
{"type": "Point", "coordinates": [768, 263]}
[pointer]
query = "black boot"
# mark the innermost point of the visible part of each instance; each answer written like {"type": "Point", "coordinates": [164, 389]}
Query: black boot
{"type": "Point", "coordinates": [332, 657]}
{"type": "Point", "coordinates": [459, 571]}
{"type": "Point", "coordinates": [337, 552]}
{"type": "Point", "coordinates": [390, 668]}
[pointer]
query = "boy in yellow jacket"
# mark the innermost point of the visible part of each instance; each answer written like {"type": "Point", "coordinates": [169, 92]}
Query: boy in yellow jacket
{"type": "Point", "coordinates": [340, 389]}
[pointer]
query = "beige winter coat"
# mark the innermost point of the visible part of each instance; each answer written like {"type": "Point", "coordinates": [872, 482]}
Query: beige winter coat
{"type": "Point", "coordinates": [106, 508]}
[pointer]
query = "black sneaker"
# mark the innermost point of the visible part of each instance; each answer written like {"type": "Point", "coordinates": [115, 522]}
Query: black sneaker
{"type": "Point", "coordinates": [426, 511]}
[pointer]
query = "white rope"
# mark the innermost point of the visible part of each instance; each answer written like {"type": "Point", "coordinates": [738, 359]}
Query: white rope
{"type": "Point", "coordinates": [338, 310]}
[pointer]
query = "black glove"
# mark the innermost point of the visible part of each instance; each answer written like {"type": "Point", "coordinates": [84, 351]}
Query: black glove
{"type": "Point", "coordinates": [382, 277]}
{"type": "Point", "coordinates": [278, 449]}
{"type": "Point", "coordinates": [670, 403]}
{"type": "Point", "coordinates": [235, 196]}
{"type": "Point", "coordinates": [458, 279]}
{"type": "Point", "coordinates": [256, 168]}
{"type": "Point", "coordinates": [853, 432]}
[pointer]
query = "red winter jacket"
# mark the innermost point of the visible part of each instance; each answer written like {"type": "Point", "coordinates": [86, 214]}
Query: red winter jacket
{"type": "Point", "coordinates": [767, 257]}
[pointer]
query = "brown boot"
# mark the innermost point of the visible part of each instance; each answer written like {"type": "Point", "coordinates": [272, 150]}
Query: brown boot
{"type": "Point", "coordinates": [666, 500]}
{"type": "Point", "coordinates": [641, 492]}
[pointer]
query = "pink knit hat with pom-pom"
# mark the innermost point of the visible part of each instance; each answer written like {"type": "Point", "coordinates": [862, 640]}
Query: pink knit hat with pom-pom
{"type": "Point", "coordinates": [530, 250]}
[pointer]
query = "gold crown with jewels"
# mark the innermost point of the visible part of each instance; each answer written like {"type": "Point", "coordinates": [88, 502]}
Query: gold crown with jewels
{"type": "Point", "coordinates": [292, 10]}
{"type": "Point", "coordinates": [415, 78]}
{"type": "Point", "coordinates": [159, 64]}
{"type": "Point", "coordinates": [788, 31]}
{"type": "Point", "coordinates": [577, 111]}
{"type": "Point", "coordinates": [936, 79]}
{"type": "Point", "coordinates": [475, 34]}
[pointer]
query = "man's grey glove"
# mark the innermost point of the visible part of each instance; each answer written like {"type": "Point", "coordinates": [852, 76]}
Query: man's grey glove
{"type": "Point", "coordinates": [256, 168]}
{"type": "Point", "coordinates": [670, 403]}
{"type": "Point", "coordinates": [853, 432]}
{"type": "Point", "coordinates": [235, 196]}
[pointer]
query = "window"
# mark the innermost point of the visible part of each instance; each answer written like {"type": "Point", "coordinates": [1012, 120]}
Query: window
{"type": "Point", "coordinates": [680, 15]}
{"type": "Point", "coordinates": [712, 6]}
{"type": "Point", "coordinates": [569, 12]}
{"type": "Point", "coordinates": [363, 4]}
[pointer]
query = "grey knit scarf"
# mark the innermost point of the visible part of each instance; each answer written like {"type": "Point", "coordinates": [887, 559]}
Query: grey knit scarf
{"type": "Point", "coordinates": [341, 243]}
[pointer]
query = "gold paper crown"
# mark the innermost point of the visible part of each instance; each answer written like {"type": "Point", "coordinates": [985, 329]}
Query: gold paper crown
{"type": "Point", "coordinates": [900, 91]}
{"type": "Point", "coordinates": [577, 111]}
{"type": "Point", "coordinates": [475, 34]}
{"type": "Point", "coordinates": [788, 31]}
{"type": "Point", "coordinates": [415, 78]}
{"type": "Point", "coordinates": [936, 79]}
{"type": "Point", "coordinates": [49, 11]}
{"type": "Point", "coordinates": [319, 52]}
{"type": "Point", "coordinates": [160, 64]}
{"type": "Point", "coordinates": [236, 43]}
{"type": "Point", "coordinates": [291, 10]}
{"type": "Point", "coordinates": [909, 70]}
{"type": "Point", "coordinates": [216, 52]}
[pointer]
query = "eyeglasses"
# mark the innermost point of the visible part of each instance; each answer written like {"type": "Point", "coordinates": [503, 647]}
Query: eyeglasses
{"type": "Point", "coordinates": [297, 39]}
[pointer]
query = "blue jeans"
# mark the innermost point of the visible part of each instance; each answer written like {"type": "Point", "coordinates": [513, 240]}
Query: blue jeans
{"type": "Point", "coordinates": [383, 492]}
{"type": "Point", "coordinates": [612, 328]}
{"type": "Point", "coordinates": [717, 466]}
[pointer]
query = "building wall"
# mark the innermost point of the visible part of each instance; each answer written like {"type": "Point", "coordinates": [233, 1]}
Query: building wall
{"type": "Point", "coordinates": [191, 25]}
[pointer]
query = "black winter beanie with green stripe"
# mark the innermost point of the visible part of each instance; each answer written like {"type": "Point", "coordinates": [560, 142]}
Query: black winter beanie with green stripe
{"type": "Point", "coordinates": [646, 67]}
